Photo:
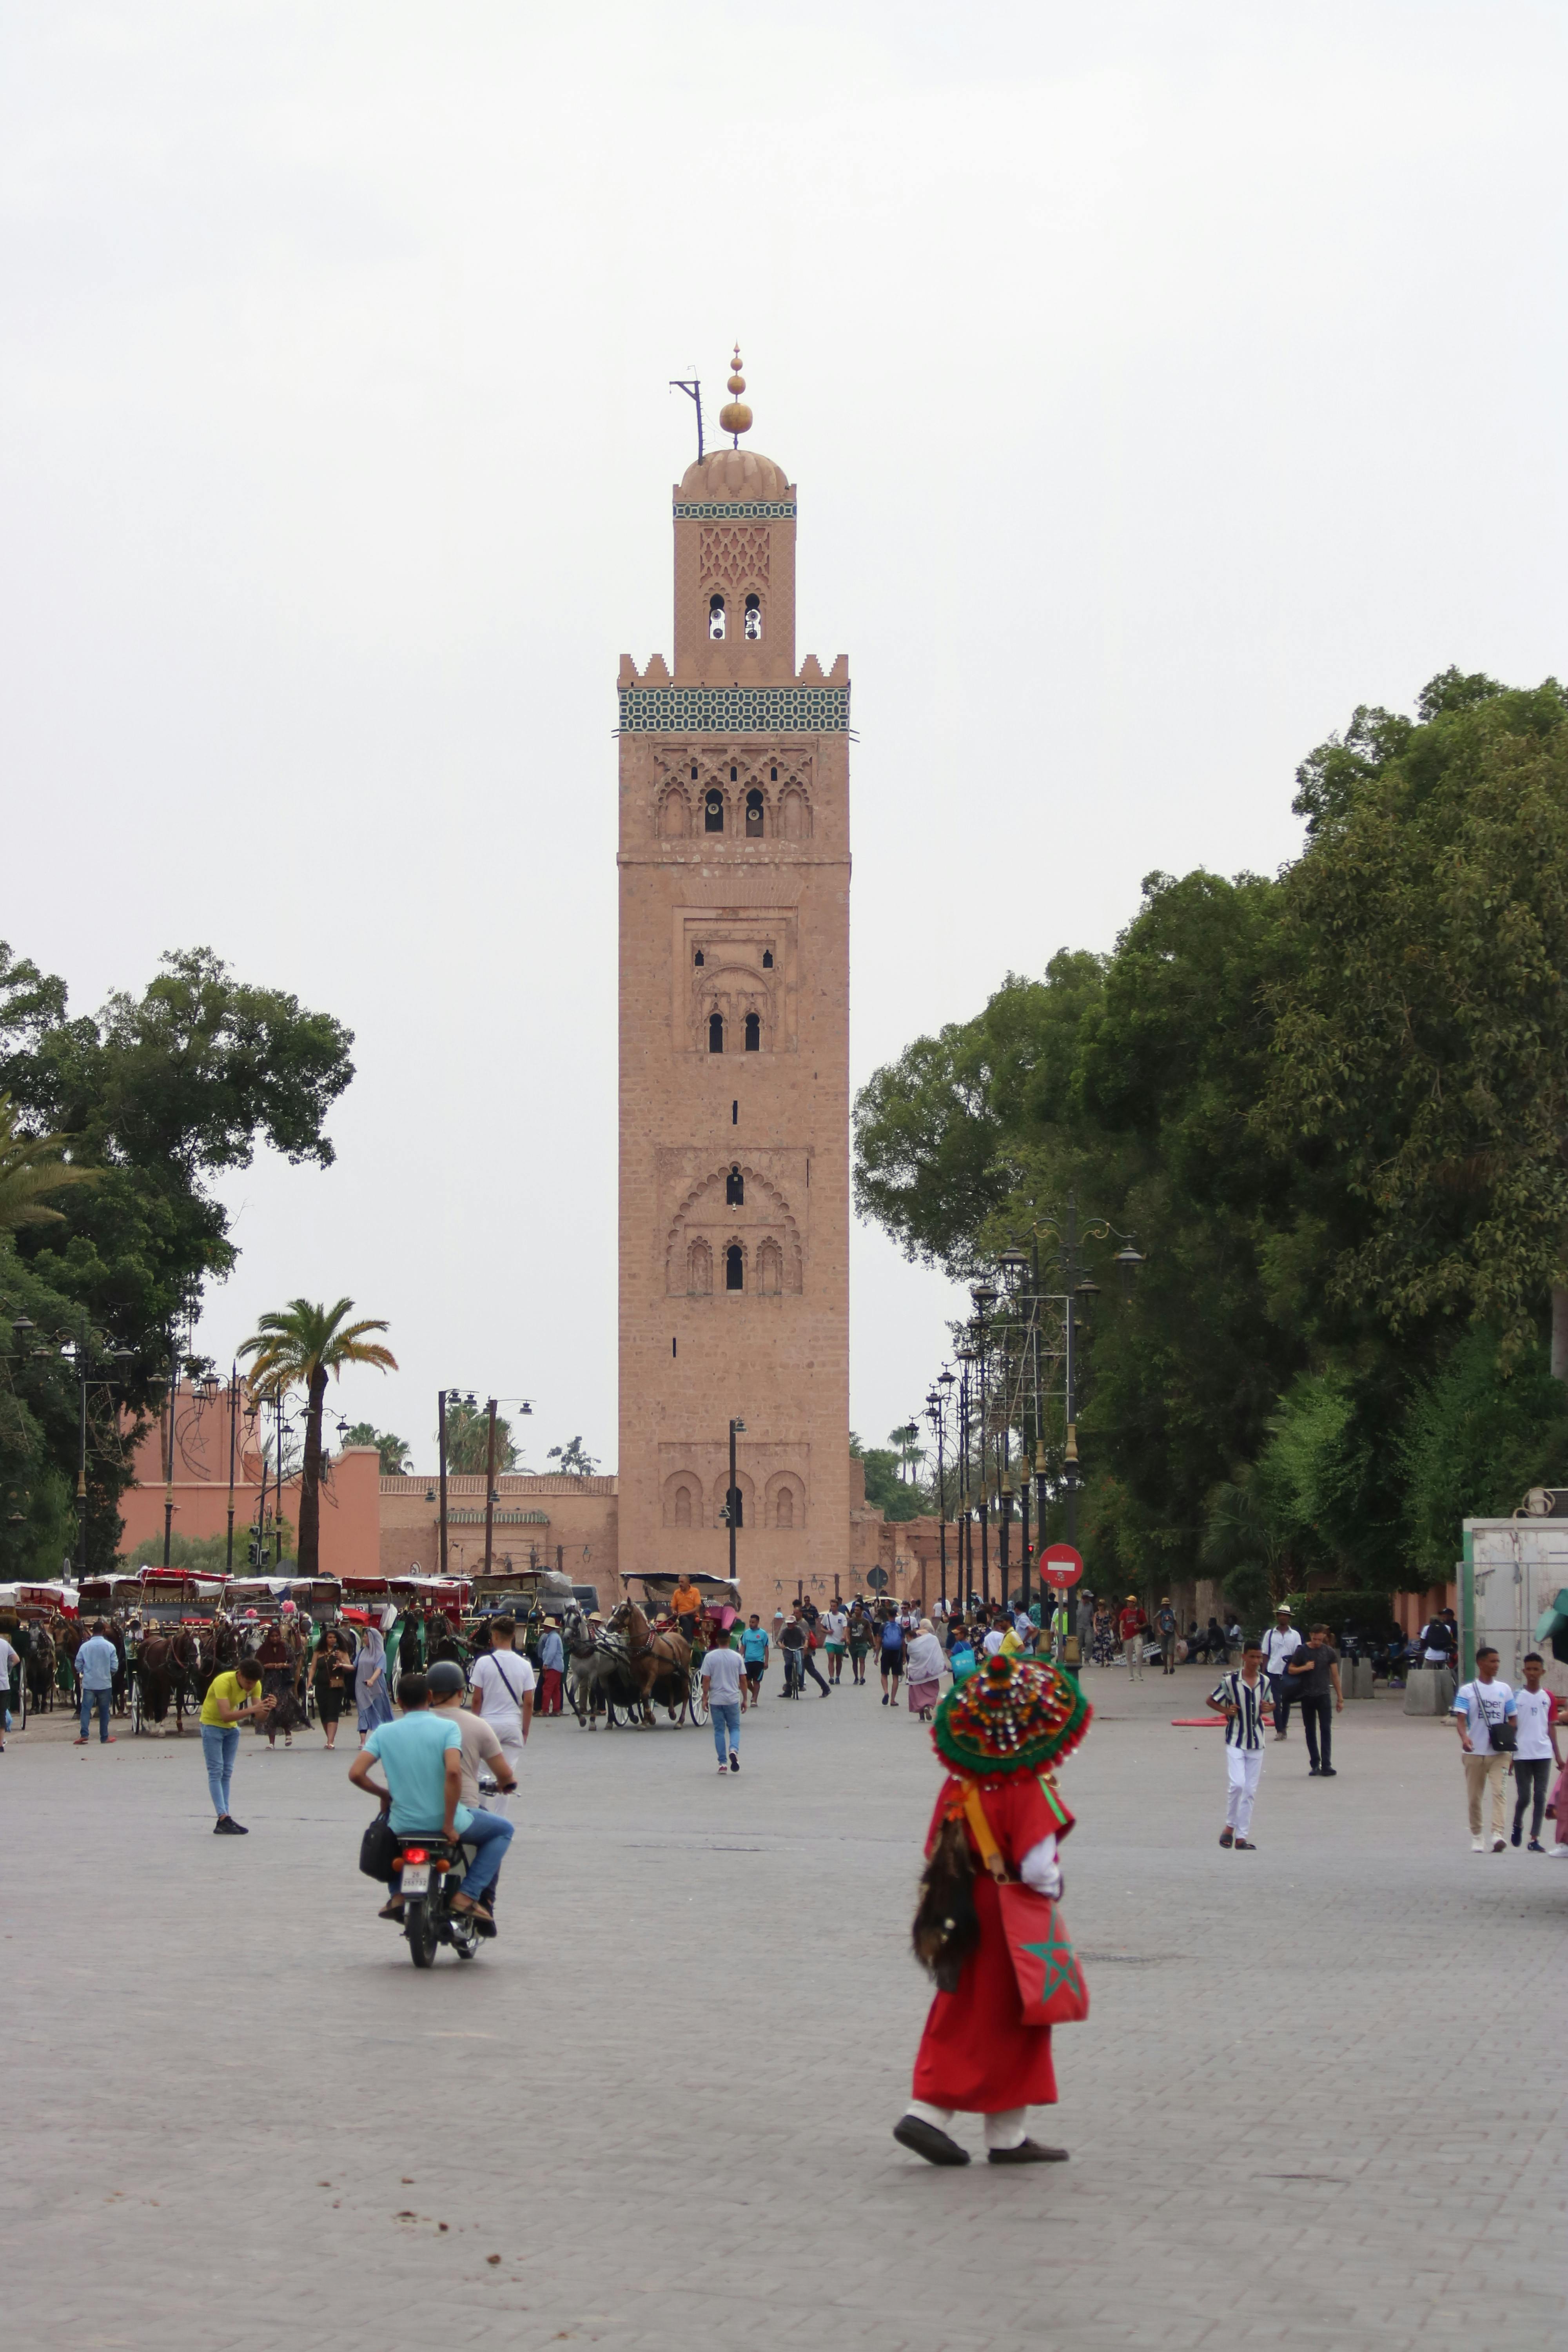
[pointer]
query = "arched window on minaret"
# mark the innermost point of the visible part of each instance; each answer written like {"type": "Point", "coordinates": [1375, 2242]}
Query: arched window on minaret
{"type": "Point", "coordinates": [754, 616]}
{"type": "Point", "coordinates": [713, 812]}
{"type": "Point", "coordinates": [716, 617]}
{"type": "Point", "coordinates": [734, 1267]}
{"type": "Point", "coordinates": [699, 959]}
{"type": "Point", "coordinates": [753, 816]}
{"type": "Point", "coordinates": [767, 958]}
{"type": "Point", "coordinates": [734, 1190]}
{"type": "Point", "coordinates": [715, 1033]}
{"type": "Point", "coordinates": [753, 1032]}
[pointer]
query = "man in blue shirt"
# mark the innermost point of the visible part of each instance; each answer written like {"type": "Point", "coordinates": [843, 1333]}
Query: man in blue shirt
{"type": "Point", "coordinates": [421, 1757]}
{"type": "Point", "coordinates": [754, 1655]}
{"type": "Point", "coordinates": [96, 1665]}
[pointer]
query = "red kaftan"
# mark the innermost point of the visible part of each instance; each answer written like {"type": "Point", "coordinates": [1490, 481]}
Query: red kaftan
{"type": "Point", "coordinates": [976, 2053]}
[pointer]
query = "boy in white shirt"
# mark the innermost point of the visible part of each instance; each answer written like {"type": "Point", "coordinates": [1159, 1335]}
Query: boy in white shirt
{"type": "Point", "coordinates": [1536, 1711]}
{"type": "Point", "coordinates": [1480, 1707]}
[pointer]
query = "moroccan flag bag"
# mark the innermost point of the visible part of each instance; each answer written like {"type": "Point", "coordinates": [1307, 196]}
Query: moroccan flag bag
{"type": "Point", "coordinates": [1050, 1981]}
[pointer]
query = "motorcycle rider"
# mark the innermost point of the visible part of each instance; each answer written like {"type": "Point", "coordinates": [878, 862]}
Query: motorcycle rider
{"type": "Point", "coordinates": [482, 1748]}
{"type": "Point", "coordinates": [421, 1757]}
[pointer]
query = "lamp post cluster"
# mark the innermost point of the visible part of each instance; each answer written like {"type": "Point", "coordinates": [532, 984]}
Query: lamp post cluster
{"type": "Point", "coordinates": [1018, 1358]}
{"type": "Point", "coordinates": [444, 1397]}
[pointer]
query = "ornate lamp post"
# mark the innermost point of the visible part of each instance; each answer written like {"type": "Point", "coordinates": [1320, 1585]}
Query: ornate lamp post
{"type": "Point", "coordinates": [985, 1297]}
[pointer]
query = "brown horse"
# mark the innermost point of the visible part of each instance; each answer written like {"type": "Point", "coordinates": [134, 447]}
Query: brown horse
{"type": "Point", "coordinates": [168, 1668]}
{"type": "Point", "coordinates": [660, 1663]}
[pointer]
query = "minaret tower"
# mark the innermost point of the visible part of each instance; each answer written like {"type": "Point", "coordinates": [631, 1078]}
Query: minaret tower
{"type": "Point", "coordinates": [734, 1035]}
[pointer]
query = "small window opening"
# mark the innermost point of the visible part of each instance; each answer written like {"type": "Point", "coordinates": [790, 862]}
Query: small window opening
{"type": "Point", "coordinates": [715, 1033]}
{"type": "Point", "coordinates": [713, 812]}
{"type": "Point", "coordinates": [734, 1190]}
{"type": "Point", "coordinates": [734, 1114]}
{"type": "Point", "coordinates": [737, 1507]}
{"type": "Point", "coordinates": [675, 1347]}
{"type": "Point", "coordinates": [697, 958]}
{"type": "Point", "coordinates": [694, 771]}
{"type": "Point", "coordinates": [753, 1032]}
{"type": "Point", "coordinates": [767, 958]}
{"type": "Point", "coordinates": [734, 774]}
{"type": "Point", "coordinates": [772, 775]}
{"type": "Point", "coordinates": [754, 616]}
{"type": "Point", "coordinates": [715, 616]}
{"type": "Point", "coordinates": [734, 1267]}
{"type": "Point", "coordinates": [753, 816]}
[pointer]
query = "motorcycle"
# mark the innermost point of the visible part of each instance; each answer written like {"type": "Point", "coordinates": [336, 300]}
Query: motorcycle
{"type": "Point", "coordinates": [433, 1871]}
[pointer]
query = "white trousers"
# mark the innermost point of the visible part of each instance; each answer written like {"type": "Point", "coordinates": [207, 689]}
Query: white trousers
{"type": "Point", "coordinates": [1242, 1767]}
{"type": "Point", "coordinates": [1133, 1653]}
{"type": "Point", "coordinates": [1004, 2130]}
{"type": "Point", "coordinates": [510, 1734]}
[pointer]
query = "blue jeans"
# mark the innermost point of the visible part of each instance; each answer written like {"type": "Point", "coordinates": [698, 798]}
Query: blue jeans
{"type": "Point", "coordinates": [493, 1836]}
{"type": "Point", "coordinates": [220, 1746]}
{"type": "Point", "coordinates": [726, 1715]}
{"type": "Point", "coordinates": [99, 1700]}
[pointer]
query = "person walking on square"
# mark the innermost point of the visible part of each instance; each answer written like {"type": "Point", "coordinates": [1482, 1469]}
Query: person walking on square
{"type": "Point", "coordinates": [552, 1671]}
{"type": "Point", "coordinates": [1133, 1625]}
{"type": "Point", "coordinates": [10, 1668]}
{"type": "Point", "coordinates": [890, 1660]}
{"type": "Point", "coordinates": [925, 1664]}
{"type": "Point", "coordinates": [373, 1702]}
{"type": "Point", "coordinates": [1166, 1626]}
{"type": "Point", "coordinates": [1537, 1713]}
{"type": "Point", "coordinates": [754, 1647]}
{"type": "Point", "coordinates": [332, 1675]}
{"type": "Point", "coordinates": [722, 1669]}
{"type": "Point", "coordinates": [1314, 1671]}
{"type": "Point", "coordinates": [809, 1638]}
{"type": "Point", "coordinates": [1484, 1714]}
{"type": "Point", "coordinates": [1280, 1644]}
{"type": "Point", "coordinates": [503, 1693]}
{"type": "Point", "coordinates": [997, 1817]}
{"type": "Point", "coordinates": [836, 1628]}
{"type": "Point", "coordinates": [1243, 1694]}
{"type": "Point", "coordinates": [95, 1663]}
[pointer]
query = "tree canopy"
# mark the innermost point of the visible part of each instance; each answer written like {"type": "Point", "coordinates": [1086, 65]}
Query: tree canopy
{"type": "Point", "coordinates": [156, 1093]}
{"type": "Point", "coordinates": [1332, 1103]}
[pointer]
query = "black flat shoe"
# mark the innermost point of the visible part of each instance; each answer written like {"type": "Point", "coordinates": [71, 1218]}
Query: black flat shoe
{"type": "Point", "coordinates": [1028, 2151]}
{"type": "Point", "coordinates": [914, 2132]}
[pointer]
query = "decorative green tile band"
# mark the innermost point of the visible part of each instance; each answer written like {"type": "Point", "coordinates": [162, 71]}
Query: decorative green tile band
{"type": "Point", "coordinates": [757, 511]}
{"type": "Point", "coordinates": [734, 709]}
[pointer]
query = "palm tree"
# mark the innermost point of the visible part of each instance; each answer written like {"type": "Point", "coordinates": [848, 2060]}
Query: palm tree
{"type": "Point", "coordinates": [30, 1166]}
{"type": "Point", "coordinates": [305, 1343]}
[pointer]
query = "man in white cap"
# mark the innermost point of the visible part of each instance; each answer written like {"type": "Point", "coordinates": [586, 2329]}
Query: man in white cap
{"type": "Point", "coordinates": [1280, 1644]}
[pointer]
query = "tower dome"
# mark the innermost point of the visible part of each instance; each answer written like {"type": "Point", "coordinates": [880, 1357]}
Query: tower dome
{"type": "Point", "coordinates": [725, 475]}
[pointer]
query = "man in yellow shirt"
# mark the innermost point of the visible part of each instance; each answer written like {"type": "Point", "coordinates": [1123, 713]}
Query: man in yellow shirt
{"type": "Point", "coordinates": [232, 1700]}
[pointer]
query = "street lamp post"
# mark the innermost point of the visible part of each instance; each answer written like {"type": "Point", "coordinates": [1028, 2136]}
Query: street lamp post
{"type": "Point", "coordinates": [732, 1499]}
{"type": "Point", "coordinates": [985, 1297]}
{"type": "Point", "coordinates": [441, 1395]}
{"type": "Point", "coordinates": [489, 1484]}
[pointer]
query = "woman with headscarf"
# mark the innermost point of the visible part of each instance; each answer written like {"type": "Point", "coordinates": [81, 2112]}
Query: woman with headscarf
{"type": "Point", "coordinates": [924, 1671]}
{"type": "Point", "coordinates": [999, 1817]}
{"type": "Point", "coordinates": [332, 1676]}
{"type": "Point", "coordinates": [372, 1696]}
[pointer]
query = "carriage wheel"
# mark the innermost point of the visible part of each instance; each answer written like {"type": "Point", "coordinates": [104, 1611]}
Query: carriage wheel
{"type": "Point", "coordinates": [137, 1720]}
{"type": "Point", "coordinates": [22, 1703]}
{"type": "Point", "coordinates": [696, 1701]}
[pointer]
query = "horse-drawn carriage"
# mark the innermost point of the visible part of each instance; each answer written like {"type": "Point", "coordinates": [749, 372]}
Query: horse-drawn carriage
{"type": "Point", "coordinates": [31, 1616]}
{"type": "Point", "coordinates": [175, 1613]}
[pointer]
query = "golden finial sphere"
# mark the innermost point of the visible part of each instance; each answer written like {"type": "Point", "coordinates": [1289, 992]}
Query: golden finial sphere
{"type": "Point", "coordinates": [737, 383]}
{"type": "Point", "coordinates": [734, 417]}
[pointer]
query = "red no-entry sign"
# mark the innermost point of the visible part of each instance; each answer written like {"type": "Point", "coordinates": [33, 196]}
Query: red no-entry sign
{"type": "Point", "coordinates": [1061, 1566]}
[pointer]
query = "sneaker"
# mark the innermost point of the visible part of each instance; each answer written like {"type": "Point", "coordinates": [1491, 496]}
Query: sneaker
{"type": "Point", "coordinates": [734, 1762]}
{"type": "Point", "coordinates": [1497, 1845]}
{"type": "Point", "coordinates": [1313, 1770]}
{"type": "Point", "coordinates": [226, 1826]}
{"type": "Point", "coordinates": [1328, 1772]}
{"type": "Point", "coordinates": [1517, 1834]}
{"type": "Point", "coordinates": [723, 1767]}
{"type": "Point", "coordinates": [1478, 1845]}
{"type": "Point", "coordinates": [1535, 1846]}
{"type": "Point", "coordinates": [1557, 1853]}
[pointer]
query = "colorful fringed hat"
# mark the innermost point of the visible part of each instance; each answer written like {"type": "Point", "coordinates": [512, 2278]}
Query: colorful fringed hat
{"type": "Point", "coordinates": [1013, 1716]}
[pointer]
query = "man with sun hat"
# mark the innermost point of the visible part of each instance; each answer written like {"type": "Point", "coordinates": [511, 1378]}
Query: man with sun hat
{"type": "Point", "coordinates": [1000, 1734]}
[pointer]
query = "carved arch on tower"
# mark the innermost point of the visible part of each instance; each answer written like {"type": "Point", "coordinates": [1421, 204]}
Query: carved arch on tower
{"type": "Point", "coordinates": [706, 1221]}
{"type": "Point", "coordinates": [783, 1502]}
{"type": "Point", "coordinates": [732, 989]}
{"type": "Point", "coordinates": [674, 813]}
{"type": "Point", "coordinates": [793, 822]}
{"type": "Point", "coordinates": [683, 1500]}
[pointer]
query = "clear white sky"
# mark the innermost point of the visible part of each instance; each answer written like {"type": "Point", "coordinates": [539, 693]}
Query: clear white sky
{"type": "Point", "coordinates": [1160, 380]}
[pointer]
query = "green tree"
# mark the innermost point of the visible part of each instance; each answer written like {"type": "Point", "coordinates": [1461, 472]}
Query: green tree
{"type": "Point", "coordinates": [468, 1437]}
{"type": "Point", "coordinates": [1478, 1436]}
{"type": "Point", "coordinates": [158, 1093]}
{"type": "Point", "coordinates": [1421, 1013]}
{"type": "Point", "coordinates": [574, 1458]}
{"type": "Point", "coordinates": [394, 1452]}
{"type": "Point", "coordinates": [305, 1345]}
{"type": "Point", "coordinates": [30, 1167]}
{"type": "Point", "coordinates": [886, 1489]}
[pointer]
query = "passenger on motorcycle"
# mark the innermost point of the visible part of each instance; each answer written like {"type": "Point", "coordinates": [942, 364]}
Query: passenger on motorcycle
{"type": "Point", "coordinates": [421, 1757]}
{"type": "Point", "coordinates": [482, 1750]}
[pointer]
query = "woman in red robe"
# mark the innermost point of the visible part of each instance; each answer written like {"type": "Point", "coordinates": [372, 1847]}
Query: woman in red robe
{"type": "Point", "coordinates": [1000, 1733]}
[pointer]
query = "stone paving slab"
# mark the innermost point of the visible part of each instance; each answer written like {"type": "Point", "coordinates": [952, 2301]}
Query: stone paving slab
{"type": "Point", "coordinates": [235, 2117]}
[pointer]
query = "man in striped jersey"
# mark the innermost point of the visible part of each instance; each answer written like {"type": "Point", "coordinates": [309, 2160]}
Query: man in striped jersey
{"type": "Point", "coordinates": [1243, 1694]}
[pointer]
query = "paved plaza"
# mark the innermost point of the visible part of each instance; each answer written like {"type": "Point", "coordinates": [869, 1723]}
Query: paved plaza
{"type": "Point", "coordinates": [1320, 2099]}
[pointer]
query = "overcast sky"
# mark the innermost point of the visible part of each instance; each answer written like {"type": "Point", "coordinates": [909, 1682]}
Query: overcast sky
{"type": "Point", "coordinates": [1160, 382]}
